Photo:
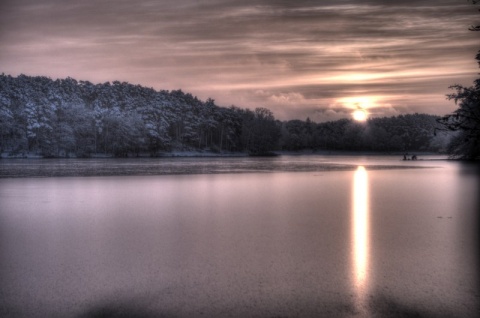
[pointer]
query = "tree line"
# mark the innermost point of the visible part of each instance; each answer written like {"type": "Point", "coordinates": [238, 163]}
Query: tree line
{"type": "Point", "coordinates": [403, 133]}
{"type": "Point", "coordinates": [66, 117]}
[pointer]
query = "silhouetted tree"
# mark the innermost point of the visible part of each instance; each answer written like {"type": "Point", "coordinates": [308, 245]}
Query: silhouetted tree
{"type": "Point", "coordinates": [465, 121]}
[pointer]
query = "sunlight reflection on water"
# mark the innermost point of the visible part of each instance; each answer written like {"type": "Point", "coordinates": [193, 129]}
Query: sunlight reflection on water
{"type": "Point", "coordinates": [360, 235]}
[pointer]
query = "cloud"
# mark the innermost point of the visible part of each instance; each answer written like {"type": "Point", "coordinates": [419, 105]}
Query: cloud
{"type": "Point", "coordinates": [290, 56]}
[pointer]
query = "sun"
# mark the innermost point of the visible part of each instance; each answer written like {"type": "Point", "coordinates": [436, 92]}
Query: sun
{"type": "Point", "coordinates": [359, 106]}
{"type": "Point", "coordinates": [359, 115]}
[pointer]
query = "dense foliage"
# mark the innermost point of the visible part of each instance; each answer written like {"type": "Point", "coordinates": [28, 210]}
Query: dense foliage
{"type": "Point", "coordinates": [66, 117]}
{"type": "Point", "coordinates": [61, 118]}
{"type": "Point", "coordinates": [465, 120]}
{"type": "Point", "coordinates": [413, 132]}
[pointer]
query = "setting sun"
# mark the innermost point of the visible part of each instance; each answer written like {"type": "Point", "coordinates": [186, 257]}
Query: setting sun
{"type": "Point", "coordinates": [359, 106]}
{"type": "Point", "coordinates": [359, 115]}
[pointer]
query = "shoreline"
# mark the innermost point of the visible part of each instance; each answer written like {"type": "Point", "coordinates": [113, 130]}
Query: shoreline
{"type": "Point", "coordinates": [182, 165]}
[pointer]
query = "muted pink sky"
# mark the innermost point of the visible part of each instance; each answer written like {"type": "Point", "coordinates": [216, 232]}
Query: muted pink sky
{"type": "Point", "coordinates": [317, 59]}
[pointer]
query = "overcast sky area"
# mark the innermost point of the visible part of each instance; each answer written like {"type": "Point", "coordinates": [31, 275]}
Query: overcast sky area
{"type": "Point", "coordinates": [317, 59]}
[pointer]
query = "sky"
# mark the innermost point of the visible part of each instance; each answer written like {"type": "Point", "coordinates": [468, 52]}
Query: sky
{"type": "Point", "coordinates": [302, 58]}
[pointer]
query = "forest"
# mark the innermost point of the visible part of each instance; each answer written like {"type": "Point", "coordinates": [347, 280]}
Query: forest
{"type": "Point", "coordinates": [70, 118]}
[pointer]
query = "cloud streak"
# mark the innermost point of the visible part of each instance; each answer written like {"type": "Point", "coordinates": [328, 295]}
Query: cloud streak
{"type": "Point", "coordinates": [296, 58]}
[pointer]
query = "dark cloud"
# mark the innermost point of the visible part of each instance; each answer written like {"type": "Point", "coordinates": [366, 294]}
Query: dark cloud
{"type": "Point", "coordinates": [293, 57]}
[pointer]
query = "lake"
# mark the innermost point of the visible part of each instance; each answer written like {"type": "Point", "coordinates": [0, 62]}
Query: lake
{"type": "Point", "coordinates": [289, 236]}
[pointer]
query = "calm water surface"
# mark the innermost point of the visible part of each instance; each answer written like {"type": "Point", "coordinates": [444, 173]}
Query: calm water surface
{"type": "Point", "coordinates": [304, 236]}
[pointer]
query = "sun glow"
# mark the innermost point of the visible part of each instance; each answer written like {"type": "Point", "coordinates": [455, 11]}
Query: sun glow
{"type": "Point", "coordinates": [358, 102]}
{"type": "Point", "coordinates": [359, 106]}
{"type": "Point", "coordinates": [359, 115]}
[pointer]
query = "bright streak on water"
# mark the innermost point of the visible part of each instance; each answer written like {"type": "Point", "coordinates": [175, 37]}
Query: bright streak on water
{"type": "Point", "coordinates": [360, 234]}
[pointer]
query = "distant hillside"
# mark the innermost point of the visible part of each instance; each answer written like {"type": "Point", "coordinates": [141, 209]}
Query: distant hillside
{"type": "Point", "coordinates": [62, 118]}
{"type": "Point", "coordinates": [77, 118]}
